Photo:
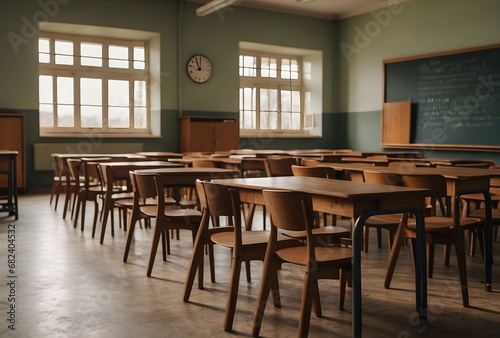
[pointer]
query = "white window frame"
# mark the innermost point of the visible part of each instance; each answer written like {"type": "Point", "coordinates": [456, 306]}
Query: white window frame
{"type": "Point", "coordinates": [105, 73]}
{"type": "Point", "coordinates": [309, 84]}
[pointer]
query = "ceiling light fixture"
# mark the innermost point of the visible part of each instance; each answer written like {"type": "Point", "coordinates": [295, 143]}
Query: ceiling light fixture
{"type": "Point", "coordinates": [304, 1]}
{"type": "Point", "coordinates": [213, 6]}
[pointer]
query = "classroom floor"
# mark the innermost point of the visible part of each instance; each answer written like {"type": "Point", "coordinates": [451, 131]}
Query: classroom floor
{"type": "Point", "coordinates": [69, 285]}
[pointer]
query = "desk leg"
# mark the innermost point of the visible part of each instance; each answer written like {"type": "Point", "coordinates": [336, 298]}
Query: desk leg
{"type": "Point", "coordinates": [356, 275]}
{"type": "Point", "coordinates": [420, 268]}
{"type": "Point", "coordinates": [488, 243]}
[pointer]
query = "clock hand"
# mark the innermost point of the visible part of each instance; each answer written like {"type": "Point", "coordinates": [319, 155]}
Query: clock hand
{"type": "Point", "coordinates": [199, 64]}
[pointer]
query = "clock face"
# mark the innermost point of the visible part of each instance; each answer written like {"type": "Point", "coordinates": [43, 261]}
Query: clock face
{"type": "Point", "coordinates": [199, 69]}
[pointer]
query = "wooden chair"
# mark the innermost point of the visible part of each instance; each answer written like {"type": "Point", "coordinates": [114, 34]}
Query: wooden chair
{"type": "Point", "coordinates": [309, 162]}
{"type": "Point", "coordinates": [279, 166]}
{"type": "Point", "coordinates": [389, 222]}
{"type": "Point", "coordinates": [321, 172]}
{"type": "Point", "coordinates": [438, 230]}
{"type": "Point", "coordinates": [91, 189]}
{"type": "Point", "coordinates": [167, 217]}
{"type": "Point", "coordinates": [143, 208]}
{"type": "Point", "coordinates": [292, 212]}
{"type": "Point", "coordinates": [59, 180]}
{"type": "Point", "coordinates": [245, 245]}
{"type": "Point", "coordinates": [315, 171]}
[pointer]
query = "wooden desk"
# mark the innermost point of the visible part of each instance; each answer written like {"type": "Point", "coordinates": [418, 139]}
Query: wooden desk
{"type": "Point", "coordinates": [113, 171]}
{"type": "Point", "coordinates": [358, 201]}
{"type": "Point", "coordinates": [460, 181]}
{"type": "Point", "coordinates": [8, 160]}
{"type": "Point", "coordinates": [63, 169]}
{"type": "Point", "coordinates": [159, 155]}
{"type": "Point", "coordinates": [171, 178]}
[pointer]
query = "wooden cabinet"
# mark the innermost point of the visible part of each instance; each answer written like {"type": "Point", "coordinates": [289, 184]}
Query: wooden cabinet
{"type": "Point", "coordinates": [208, 134]}
{"type": "Point", "coordinates": [12, 138]}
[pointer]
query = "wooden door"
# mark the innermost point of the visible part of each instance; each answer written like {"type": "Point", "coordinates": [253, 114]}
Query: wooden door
{"type": "Point", "coordinates": [12, 138]}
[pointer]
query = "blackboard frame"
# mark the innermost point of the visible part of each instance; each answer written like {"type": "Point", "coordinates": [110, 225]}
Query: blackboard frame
{"type": "Point", "coordinates": [495, 147]}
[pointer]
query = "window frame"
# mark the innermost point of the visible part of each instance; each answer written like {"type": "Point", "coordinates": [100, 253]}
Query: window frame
{"type": "Point", "coordinates": [105, 73]}
{"type": "Point", "coordinates": [257, 82]}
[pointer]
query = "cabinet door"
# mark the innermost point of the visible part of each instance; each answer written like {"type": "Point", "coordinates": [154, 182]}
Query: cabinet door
{"type": "Point", "coordinates": [12, 138]}
{"type": "Point", "coordinates": [226, 135]}
{"type": "Point", "coordinates": [202, 136]}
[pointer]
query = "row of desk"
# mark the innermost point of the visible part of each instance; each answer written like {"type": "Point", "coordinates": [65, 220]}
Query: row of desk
{"type": "Point", "coordinates": [345, 198]}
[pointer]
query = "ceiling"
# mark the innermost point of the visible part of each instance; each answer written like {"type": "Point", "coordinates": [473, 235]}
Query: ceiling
{"type": "Point", "coordinates": [325, 9]}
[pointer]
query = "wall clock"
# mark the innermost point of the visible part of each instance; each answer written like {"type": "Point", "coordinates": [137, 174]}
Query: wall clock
{"type": "Point", "coordinates": [199, 68]}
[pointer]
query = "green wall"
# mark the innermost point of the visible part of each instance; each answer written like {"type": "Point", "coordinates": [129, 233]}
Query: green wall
{"type": "Point", "coordinates": [405, 29]}
{"type": "Point", "coordinates": [182, 34]}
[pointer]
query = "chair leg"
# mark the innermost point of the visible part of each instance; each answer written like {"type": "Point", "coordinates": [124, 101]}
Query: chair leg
{"type": "Point", "coordinates": [344, 276]}
{"type": "Point", "coordinates": [269, 272]}
{"type": "Point", "coordinates": [430, 259]}
{"type": "Point", "coordinates": [462, 267]}
{"type": "Point", "coordinates": [154, 249]}
{"type": "Point", "coordinates": [393, 257]}
{"type": "Point", "coordinates": [232, 296]}
{"type": "Point", "coordinates": [379, 238]}
{"type": "Point", "coordinates": [247, 269]}
{"type": "Point", "coordinates": [366, 237]}
{"type": "Point", "coordinates": [308, 290]}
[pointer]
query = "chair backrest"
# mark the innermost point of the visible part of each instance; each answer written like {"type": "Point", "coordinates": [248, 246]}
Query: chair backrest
{"type": "Point", "coordinates": [145, 184]}
{"type": "Point", "coordinates": [224, 202]}
{"type": "Point", "coordinates": [290, 210]}
{"type": "Point", "coordinates": [376, 177]}
{"type": "Point", "coordinates": [200, 190]}
{"type": "Point", "coordinates": [280, 166]}
{"type": "Point", "coordinates": [402, 164]}
{"type": "Point", "coordinates": [309, 162]}
{"type": "Point", "coordinates": [203, 164]}
{"type": "Point", "coordinates": [315, 171]}
{"type": "Point", "coordinates": [253, 167]}
{"type": "Point", "coordinates": [435, 183]}
{"type": "Point", "coordinates": [75, 169]}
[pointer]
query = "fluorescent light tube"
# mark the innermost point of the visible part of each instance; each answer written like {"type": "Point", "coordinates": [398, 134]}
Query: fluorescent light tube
{"type": "Point", "coordinates": [213, 6]}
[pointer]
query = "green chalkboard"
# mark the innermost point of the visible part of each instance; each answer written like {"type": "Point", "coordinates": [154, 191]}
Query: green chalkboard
{"type": "Point", "coordinates": [455, 95]}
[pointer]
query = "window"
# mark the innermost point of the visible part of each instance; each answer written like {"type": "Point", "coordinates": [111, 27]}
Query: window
{"type": "Point", "coordinates": [275, 97]}
{"type": "Point", "coordinates": [89, 84]}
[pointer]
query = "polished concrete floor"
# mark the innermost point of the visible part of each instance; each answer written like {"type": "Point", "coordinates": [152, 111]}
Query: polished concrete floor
{"type": "Point", "coordinates": [69, 285]}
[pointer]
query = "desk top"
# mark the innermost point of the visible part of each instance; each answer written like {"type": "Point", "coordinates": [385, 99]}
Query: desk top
{"type": "Point", "coordinates": [322, 186]}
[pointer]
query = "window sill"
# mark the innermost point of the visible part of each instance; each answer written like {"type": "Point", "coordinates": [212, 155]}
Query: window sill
{"type": "Point", "coordinates": [97, 135]}
{"type": "Point", "coordinates": [276, 135]}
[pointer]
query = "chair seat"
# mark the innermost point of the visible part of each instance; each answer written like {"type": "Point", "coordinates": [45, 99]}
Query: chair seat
{"type": "Point", "coordinates": [328, 230]}
{"type": "Point", "coordinates": [122, 195]}
{"type": "Point", "coordinates": [481, 213]}
{"type": "Point", "coordinates": [479, 197]}
{"type": "Point", "coordinates": [226, 239]}
{"type": "Point", "coordinates": [381, 220]}
{"type": "Point", "coordinates": [296, 255]}
{"type": "Point", "coordinates": [438, 223]}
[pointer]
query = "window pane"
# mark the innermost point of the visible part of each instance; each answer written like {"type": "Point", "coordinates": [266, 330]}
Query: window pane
{"type": "Point", "coordinates": [91, 54]}
{"type": "Point", "coordinates": [248, 114]}
{"type": "Point", "coordinates": [91, 116]}
{"type": "Point", "coordinates": [65, 102]}
{"type": "Point", "coordinates": [43, 50]}
{"type": "Point", "coordinates": [65, 116]}
{"type": "Point", "coordinates": [45, 89]}
{"type": "Point", "coordinates": [64, 52]}
{"type": "Point", "coordinates": [118, 57]}
{"type": "Point", "coordinates": [91, 91]}
{"type": "Point", "coordinates": [140, 93]}
{"type": "Point", "coordinates": [140, 118]}
{"type": "Point", "coordinates": [295, 122]}
{"type": "Point", "coordinates": [118, 104]}
{"type": "Point", "coordinates": [91, 103]}
{"type": "Point", "coordinates": [65, 92]}
{"type": "Point", "coordinates": [268, 67]}
{"type": "Point", "coordinates": [139, 58]}
{"type": "Point", "coordinates": [46, 115]}
{"type": "Point", "coordinates": [118, 117]}
{"type": "Point", "coordinates": [248, 65]}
